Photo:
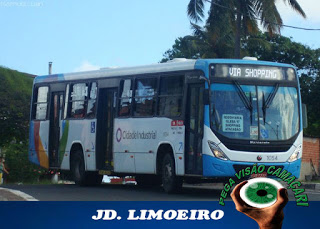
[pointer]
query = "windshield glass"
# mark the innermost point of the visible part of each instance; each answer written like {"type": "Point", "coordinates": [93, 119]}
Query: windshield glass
{"type": "Point", "coordinates": [251, 112]}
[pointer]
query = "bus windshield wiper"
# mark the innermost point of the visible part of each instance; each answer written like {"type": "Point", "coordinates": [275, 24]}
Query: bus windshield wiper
{"type": "Point", "coordinates": [247, 103]}
{"type": "Point", "coordinates": [216, 117]}
{"type": "Point", "coordinates": [266, 103]}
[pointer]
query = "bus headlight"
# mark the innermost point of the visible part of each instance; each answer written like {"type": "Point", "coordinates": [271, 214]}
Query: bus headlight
{"type": "Point", "coordinates": [217, 152]}
{"type": "Point", "coordinates": [295, 154]}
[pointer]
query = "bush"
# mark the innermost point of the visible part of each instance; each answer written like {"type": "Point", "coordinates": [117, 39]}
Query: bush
{"type": "Point", "coordinates": [19, 166]}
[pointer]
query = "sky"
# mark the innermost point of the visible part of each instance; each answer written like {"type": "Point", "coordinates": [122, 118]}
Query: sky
{"type": "Point", "coordinates": [80, 35]}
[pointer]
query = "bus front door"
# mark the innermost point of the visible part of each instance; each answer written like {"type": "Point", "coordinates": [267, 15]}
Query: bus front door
{"type": "Point", "coordinates": [105, 119]}
{"type": "Point", "coordinates": [54, 132]}
{"type": "Point", "coordinates": [194, 129]}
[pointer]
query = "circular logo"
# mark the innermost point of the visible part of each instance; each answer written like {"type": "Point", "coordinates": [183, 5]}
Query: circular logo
{"type": "Point", "coordinates": [119, 135]}
{"type": "Point", "coordinates": [259, 158]}
{"type": "Point", "coordinates": [260, 192]}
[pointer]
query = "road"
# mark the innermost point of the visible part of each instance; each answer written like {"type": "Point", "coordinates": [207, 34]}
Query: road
{"type": "Point", "coordinates": [115, 192]}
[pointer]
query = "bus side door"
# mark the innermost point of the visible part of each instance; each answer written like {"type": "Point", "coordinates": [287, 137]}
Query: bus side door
{"type": "Point", "coordinates": [105, 122]}
{"type": "Point", "coordinates": [56, 106]}
{"type": "Point", "coordinates": [194, 128]}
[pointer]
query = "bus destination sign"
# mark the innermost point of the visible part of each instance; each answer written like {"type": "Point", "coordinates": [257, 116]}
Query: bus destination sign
{"type": "Point", "coordinates": [251, 72]}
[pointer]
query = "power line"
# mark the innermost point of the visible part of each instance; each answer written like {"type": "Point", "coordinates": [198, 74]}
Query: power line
{"type": "Point", "coordinates": [260, 19]}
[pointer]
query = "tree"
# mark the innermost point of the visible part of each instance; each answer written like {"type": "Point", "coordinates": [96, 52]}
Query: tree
{"type": "Point", "coordinates": [191, 47]}
{"type": "Point", "coordinates": [15, 94]}
{"type": "Point", "coordinates": [200, 45]}
{"type": "Point", "coordinates": [240, 16]}
{"type": "Point", "coordinates": [282, 49]}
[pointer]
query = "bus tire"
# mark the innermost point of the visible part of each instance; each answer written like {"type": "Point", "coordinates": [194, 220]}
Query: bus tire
{"type": "Point", "coordinates": [171, 182]}
{"type": "Point", "coordinates": [78, 168]}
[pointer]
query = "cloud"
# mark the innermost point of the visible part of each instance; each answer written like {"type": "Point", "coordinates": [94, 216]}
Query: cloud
{"type": "Point", "coordinates": [86, 66]}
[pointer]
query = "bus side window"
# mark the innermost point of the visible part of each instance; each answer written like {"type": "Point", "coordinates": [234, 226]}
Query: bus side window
{"type": "Point", "coordinates": [125, 102]}
{"type": "Point", "coordinates": [91, 108]}
{"type": "Point", "coordinates": [79, 93]}
{"type": "Point", "coordinates": [170, 96]}
{"type": "Point", "coordinates": [41, 103]}
{"type": "Point", "coordinates": [145, 97]}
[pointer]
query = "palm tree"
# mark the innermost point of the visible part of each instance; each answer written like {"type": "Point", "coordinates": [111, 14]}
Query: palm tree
{"type": "Point", "coordinates": [242, 15]}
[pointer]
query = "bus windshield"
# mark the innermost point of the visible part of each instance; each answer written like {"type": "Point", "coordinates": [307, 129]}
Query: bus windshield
{"type": "Point", "coordinates": [251, 112]}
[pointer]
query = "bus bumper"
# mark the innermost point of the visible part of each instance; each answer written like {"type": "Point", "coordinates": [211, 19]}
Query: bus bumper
{"type": "Point", "coordinates": [214, 167]}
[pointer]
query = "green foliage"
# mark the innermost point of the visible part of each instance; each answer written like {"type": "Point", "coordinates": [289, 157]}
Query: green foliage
{"type": "Point", "coordinates": [190, 47]}
{"type": "Point", "coordinates": [15, 94]}
{"type": "Point", "coordinates": [239, 18]}
{"type": "Point", "coordinates": [310, 92]}
{"type": "Point", "coordinates": [206, 44]}
{"type": "Point", "coordinates": [195, 10]}
{"type": "Point", "coordinates": [19, 166]}
{"type": "Point", "coordinates": [282, 49]}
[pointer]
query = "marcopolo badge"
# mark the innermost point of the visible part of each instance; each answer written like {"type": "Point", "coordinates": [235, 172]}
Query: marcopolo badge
{"type": "Point", "coordinates": [260, 192]}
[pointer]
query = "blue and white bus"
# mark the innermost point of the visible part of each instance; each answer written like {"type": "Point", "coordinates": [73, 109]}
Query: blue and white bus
{"type": "Point", "coordinates": [167, 123]}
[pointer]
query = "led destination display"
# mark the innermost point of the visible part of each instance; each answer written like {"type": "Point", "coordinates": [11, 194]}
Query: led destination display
{"type": "Point", "coordinates": [251, 72]}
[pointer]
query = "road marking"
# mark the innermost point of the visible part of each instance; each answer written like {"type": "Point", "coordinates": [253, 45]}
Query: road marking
{"type": "Point", "coordinates": [23, 195]}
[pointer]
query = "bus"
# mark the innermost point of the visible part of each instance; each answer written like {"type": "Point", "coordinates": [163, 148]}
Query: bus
{"type": "Point", "coordinates": [184, 120]}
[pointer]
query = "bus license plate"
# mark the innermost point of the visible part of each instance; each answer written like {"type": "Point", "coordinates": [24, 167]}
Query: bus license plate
{"type": "Point", "coordinates": [255, 175]}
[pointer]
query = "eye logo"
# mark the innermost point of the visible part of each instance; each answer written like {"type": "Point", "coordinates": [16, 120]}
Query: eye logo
{"type": "Point", "coordinates": [260, 192]}
{"type": "Point", "coordinates": [119, 135]}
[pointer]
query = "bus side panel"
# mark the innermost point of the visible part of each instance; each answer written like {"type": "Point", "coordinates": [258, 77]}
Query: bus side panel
{"type": "Point", "coordinates": [38, 143]}
{"type": "Point", "coordinates": [136, 142]}
{"type": "Point", "coordinates": [64, 135]}
{"type": "Point", "coordinates": [78, 131]}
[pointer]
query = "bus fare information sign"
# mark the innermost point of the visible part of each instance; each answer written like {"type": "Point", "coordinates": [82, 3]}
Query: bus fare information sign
{"type": "Point", "coordinates": [251, 72]}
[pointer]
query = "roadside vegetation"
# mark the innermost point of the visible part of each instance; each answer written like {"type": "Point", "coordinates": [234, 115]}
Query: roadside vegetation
{"type": "Point", "coordinates": [15, 94]}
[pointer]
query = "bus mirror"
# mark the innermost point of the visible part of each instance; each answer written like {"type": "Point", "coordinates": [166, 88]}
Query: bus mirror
{"type": "Point", "coordinates": [304, 116]}
{"type": "Point", "coordinates": [206, 97]}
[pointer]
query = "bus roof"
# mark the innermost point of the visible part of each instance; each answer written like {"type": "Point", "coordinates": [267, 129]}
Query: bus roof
{"type": "Point", "coordinates": [175, 65]}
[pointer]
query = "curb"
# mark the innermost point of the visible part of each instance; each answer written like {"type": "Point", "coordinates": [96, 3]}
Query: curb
{"type": "Point", "coordinates": [20, 194]}
{"type": "Point", "coordinates": [313, 186]}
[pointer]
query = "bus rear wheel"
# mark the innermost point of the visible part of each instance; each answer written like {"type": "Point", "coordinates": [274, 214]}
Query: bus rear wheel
{"type": "Point", "coordinates": [171, 182]}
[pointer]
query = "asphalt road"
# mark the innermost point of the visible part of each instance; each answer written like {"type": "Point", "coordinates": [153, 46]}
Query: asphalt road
{"type": "Point", "coordinates": [114, 192]}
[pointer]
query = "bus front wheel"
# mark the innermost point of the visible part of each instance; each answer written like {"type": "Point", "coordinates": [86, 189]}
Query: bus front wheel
{"type": "Point", "coordinates": [171, 182]}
